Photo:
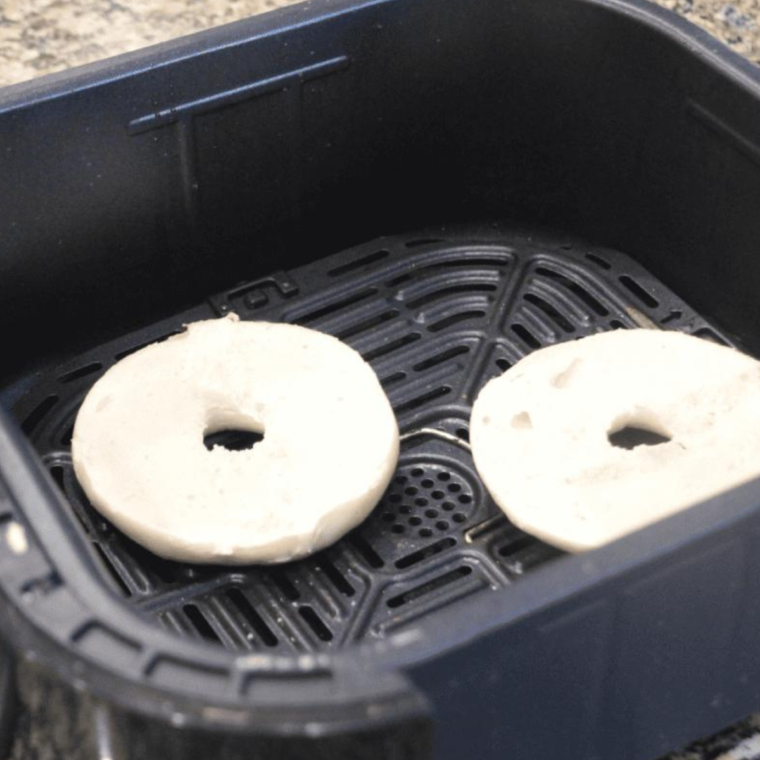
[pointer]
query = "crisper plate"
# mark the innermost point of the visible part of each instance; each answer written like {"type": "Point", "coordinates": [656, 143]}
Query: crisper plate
{"type": "Point", "coordinates": [437, 315]}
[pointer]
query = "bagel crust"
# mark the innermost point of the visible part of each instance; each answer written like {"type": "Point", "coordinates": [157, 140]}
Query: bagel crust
{"type": "Point", "coordinates": [330, 443]}
{"type": "Point", "coordinates": [541, 432]}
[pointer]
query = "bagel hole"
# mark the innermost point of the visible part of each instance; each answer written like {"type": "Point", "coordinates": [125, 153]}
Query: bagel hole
{"type": "Point", "coordinates": [232, 439]}
{"type": "Point", "coordinates": [631, 436]}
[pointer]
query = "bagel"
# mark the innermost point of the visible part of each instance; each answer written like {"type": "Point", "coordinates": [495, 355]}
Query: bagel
{"type": "Point", "coordinates": [543, 434]}
{"type": "Point", "coordinates": [330, 443]}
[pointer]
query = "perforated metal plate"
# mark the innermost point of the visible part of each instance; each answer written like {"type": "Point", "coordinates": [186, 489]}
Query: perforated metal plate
{"type": "Point", "coordinates": [437, 316]}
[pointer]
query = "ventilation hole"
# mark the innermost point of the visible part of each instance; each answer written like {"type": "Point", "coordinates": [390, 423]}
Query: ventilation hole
{"type": "Point", "coordinates": [520, 543]}
{"type": "Point", "coordinates": [368, 554]}
{"type": "Point", "coordinates": [559, 319]}
{"type": "Point", "coordinates": [388, 517]}
{"type": "Point", "coordinates": [364, 261]}
{"type": "Point", "coordinates": [503, 364]}
{"type": "Point", "coordinates": [464, 498]}
{"type": "Point", "coordinates": [396, 377]}
{"type": "Point", "coordinates": [646, 298]}
{"type": "Point", "coordinates": [442, 525]}
{"type": "Point", "coordinates": [410, 490]}
{"type": "Point", "coordinates": [68, 435]}
{"type": "Point", "coordinates": [232, 440]}
{"type": "Point", "coordinates": [453, 487]}
{"type": "Point", "coordinates": [335, 306]}
{"type": "Point", "coordinates": [429, 587]}
{"type": "Point", "coordinates": [283, 583]}
{"type": "Point", "coordinates": [444, 476]}
{"type": "Point", "coordinates": [157, 567]}
{"type": "Point", "coordinates": [434, 361]}
{"type": "Point", "coordinates": [57, 473]}
{"type": "Point", "coordinates": [199, 622]}
{"type": "Point", "coordinates": [112, 570]}
{"type": "Point", "coordinates": [337, 578]}
{"type": "Point", "coordinates": [422, 241]}
{"type": "Point", "coordinates": [400, 479]}
{"type": "Point", "coordinates": [389, 348]}
{"type": "Point", "coordinates": [418, 472]}
{"type": "Point", "coordinates": [575, 289]}
{"type": "Point", "coordinates": [401, 279]}
{"type": "Point", "coordinates": [415, 521]}
{"type": "Point", "coordinates": [368, 324]}
{"type": "Point", "coordinates": [631, 436]}
{"type": "Point", "coordinates": [448, 506]}
{"type": "Point", "coordinates": [708, 334]}
{"type": "Point", "coordinates": [421, 502]}
{"type": "Point", "coordinates": [459, 517]}
{"type": "Point", "coordinates": [252, 617]}
{"type": "Point", "coordinates": [315, 622]}
{"type": "Point", "coordinates": [675, 314]}
{"type": "Point", "coordinates": [451, 290]}
{"type": "Point", "coordinates": [431, 513]}
{"type": "Point", "coordinates": [139, 346]}
{"type": "Point", "coordinates": [428, 551]}
{"type": "Point", "coordinates": [464, 434]}
{"type": "Point", "coordinates": [599, 261]}
{"type": "Point", "coordinates": [425, 533]}
{"type": "Point", "coordinates": [419, 401]}
{"type": "Point", "coordinates": [526, 336]}
{"type": "Point", "coordinates": [437, 494]}
{"type": "Point", "coordinates": [34, 419]}
{"type": "Point", "coordinates": [442, 324]}
{"type": "Point", "coordinates": [405, 509]}
{"type": "Point", "coordinates": [42, 585]}
{"type": "Point", "coordinates": [616, 324]}
{"type": "Point", "coordinates": [482, 261]}
{"type": "Point", "coordinates": [395, 498]}
{"type": "Point", "coordinates": [398, 528]}
{"type": "Point", "coordinates": [76, 374]}
{"type": "Point", "coordinates": [162, 570]}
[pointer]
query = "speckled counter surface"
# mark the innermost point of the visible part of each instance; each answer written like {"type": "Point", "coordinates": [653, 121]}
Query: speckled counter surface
{"type": "Point", "coordinates": [737, 23]}
{"type": "Point", "coordinates": [43, 36]}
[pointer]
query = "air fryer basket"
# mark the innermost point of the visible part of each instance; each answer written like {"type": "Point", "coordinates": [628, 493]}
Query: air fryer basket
{"type": "Point", "coordinates": [445, 188]}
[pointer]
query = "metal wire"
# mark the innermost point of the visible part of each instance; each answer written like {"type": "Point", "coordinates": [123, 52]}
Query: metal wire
{"type": "Point", "coordinates": [435, 433]}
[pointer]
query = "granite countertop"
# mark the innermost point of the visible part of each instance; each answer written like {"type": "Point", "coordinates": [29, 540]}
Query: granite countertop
{"type": "Point", "coordinates": [43, 36]}
{"type": "Point", "coordinates": [737, 23]}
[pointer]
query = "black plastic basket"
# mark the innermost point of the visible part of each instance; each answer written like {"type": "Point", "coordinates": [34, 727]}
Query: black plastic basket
{"type": "Point", "coordinates": [445, 186]}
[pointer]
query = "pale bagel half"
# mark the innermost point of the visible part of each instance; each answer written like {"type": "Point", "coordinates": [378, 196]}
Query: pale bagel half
{"type": "Point", "coordinates": [540, 433]}
{"type": "Point", "coordinates": [329, 449]}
